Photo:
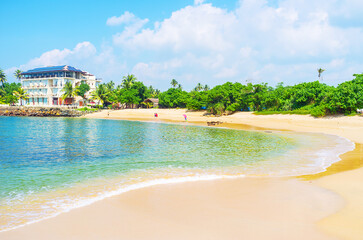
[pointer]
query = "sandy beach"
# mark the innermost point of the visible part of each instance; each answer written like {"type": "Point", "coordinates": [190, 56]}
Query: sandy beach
{"type": "Point", "coordinates": [321, 206]}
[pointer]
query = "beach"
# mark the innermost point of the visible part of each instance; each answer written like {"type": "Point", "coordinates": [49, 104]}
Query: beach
{"type": "Point", "coordinates": [321, 206]}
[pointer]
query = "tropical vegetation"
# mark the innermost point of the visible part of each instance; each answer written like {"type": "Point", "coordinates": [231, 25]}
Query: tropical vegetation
{"type": "Point", "coordinates": [315, 98]}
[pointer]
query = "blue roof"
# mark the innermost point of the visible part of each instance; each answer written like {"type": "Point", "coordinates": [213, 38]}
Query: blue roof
{"type": "Point", "coordinates": [63, 68]}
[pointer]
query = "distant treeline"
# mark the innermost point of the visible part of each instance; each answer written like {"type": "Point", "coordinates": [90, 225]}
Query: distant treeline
{"type": "Point", "coordinates": [315, 98]}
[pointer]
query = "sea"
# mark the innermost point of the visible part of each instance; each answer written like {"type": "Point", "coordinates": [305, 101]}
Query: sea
{"type": "Point", "coordinates": [52, 165]}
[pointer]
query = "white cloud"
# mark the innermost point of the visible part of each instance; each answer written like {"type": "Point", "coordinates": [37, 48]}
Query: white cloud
{"type": "Point", "coordinates": [58, 57]}
{"type": "Point", "coordinates": [125, 18]}
{"type": "Point", "coordinates": [198, 2]}
{"type": "Point", "coordinates": [207, 44]}
{"type": "Point", "coordinates": [254, 41]}
{"type": "Point", "coordinates": [84, 56]}
{"type": "Point", "coordinates": [201, 27]}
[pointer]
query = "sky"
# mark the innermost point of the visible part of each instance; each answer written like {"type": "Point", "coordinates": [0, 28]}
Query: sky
{"type": "Point", "coordinates": [195, 41]}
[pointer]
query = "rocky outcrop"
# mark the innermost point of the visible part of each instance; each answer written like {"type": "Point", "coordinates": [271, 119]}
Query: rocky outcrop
{"type": "Point", "coordinates": [40, 111]}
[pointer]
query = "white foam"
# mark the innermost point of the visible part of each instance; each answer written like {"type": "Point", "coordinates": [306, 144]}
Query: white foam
{"type": "Point", "coordinates": [132, 187]}
{"type": "Point", "coordinates": [323, 158]}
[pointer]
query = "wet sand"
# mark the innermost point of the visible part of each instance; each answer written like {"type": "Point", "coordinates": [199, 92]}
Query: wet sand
{"type": "Point", "coordinates": [323, 206]}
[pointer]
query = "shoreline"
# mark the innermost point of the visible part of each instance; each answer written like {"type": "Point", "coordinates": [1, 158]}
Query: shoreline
{"type": "Point", "coordinates": [231, 122]}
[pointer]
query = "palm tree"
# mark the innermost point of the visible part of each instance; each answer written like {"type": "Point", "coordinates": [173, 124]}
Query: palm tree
{"type": "Point", "coordinates": [180, 87]}
{"type": "Point", "coordinates": [69, 91]}
{"type": "Point", "coordinates": [198, 87]}
{"type": "Point", "coordinates": [152, 91]}
{"type": "Point", "coordinates": [128, 81]}
{"type": "Point", "coordinates": [21, 94]}
{"type": "Point", "coordinates": [2, 78]}
{"type": "Point", "coordinates": [206, 88]}
{"type": "Point", "coordinates": [174, 83]}
{"type": "Point", "coordinates": [17, 74]}
{"type": "Point", "coordinates": [100, 94]}
{"type": "Point", "coordinates": [110, 86]}
{"type": "Point", "coordinates": [320, 71]}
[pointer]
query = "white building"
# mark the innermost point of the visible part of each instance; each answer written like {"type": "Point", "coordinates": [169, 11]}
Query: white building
{"type": "Point", "coordinates": [44, 85]}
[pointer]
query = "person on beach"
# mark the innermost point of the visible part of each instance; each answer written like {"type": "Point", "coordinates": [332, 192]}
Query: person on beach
{"type": "Point", "coordinates": [185, 117]}
{"type": "Point", "coordinates": [155, 115]}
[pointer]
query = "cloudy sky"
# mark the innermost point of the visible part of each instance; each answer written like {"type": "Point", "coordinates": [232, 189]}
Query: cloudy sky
{"type": "Point", "coordinates": [210, 42]}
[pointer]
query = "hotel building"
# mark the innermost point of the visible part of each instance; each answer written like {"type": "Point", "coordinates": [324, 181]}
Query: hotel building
{"type": "Point", "coordinates": [44, 85]}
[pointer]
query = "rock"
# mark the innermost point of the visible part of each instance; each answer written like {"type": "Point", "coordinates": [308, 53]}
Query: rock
{"type": "Point", "coordinates": [39, 111]}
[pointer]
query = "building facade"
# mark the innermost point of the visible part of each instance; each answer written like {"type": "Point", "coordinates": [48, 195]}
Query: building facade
{"type": "Point", "coordinates": [44, 85]}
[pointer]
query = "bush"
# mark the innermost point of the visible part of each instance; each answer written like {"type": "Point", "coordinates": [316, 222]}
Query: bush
{"type": "Point", "coordinates": [318, 111]}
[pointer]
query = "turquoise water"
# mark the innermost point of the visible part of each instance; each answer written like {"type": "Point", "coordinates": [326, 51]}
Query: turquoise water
{"type": "Point", "coordinates": [50, 165]}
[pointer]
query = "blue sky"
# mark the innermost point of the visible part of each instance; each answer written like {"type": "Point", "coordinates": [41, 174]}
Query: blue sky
{"type": "Point", "coordinates": [192, 41]}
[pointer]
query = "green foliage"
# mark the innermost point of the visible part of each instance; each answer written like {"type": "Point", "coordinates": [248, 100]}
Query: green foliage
{"type": "Point", "coordinates": [197, 100]}
{"type": "Point", "coordinates": [128, 81]}
{"type": "Point", "coordinates": [17, 74]}
{"type": "Point", "coordinates": [313, 98]}
{"type": "Point", "coordinates": [82, 89]}
{"type": "Point", "coordinates": [173, 98]}
{"type": "Point", "coordinates": [68, 91]}
{"type": "Point", "coordinates": [86, 109]}
{"type": "Point", "coordinates": [100, 94]}
{"type": "Point", "coordinates": [2, 78]}
{"type": "Point", "coordinates": [174, 83]}
{"type": "Point", "coordinates": [7, 91]}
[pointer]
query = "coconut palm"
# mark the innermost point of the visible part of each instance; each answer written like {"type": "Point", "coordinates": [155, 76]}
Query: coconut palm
{"type": "Point", "coordinates": [2, 78]}
{"type": "Point", "coordinates": [206, 88]}
{"type": "Point", "coordinates": [128, 81]}
{"type": "Point", "coordinates": [320, 71]}
{"type": "Point", "coordinates": [174, 83]}
{"type": "Point", "coordinates": [198, 87]}
{"type": "Point", "coordinates": [153, 92]}
{"type": "Point", "coordinates": [69, 91]}
{"type": "Point", "coordinates": [21, 94]}
{"type": "Point", "coordinates": [110, 86]}
{"type": "Point", "coordinates": [100, 94]}
{"type": "Point", "coordinates": [180, 87]}
{"type": "Point", "coordinates": [17, 74]}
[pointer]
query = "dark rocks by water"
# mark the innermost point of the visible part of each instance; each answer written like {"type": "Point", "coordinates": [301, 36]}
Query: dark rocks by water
{"type": "Point", "coordinates": [39, 111]}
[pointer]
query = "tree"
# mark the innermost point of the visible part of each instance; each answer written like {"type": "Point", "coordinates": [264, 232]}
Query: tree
{"type": "Point", "coordinates": [174, 83]}
{"type": "Point", "coordinates": [2, 78]}
{"type": "Point", "coordinates": [173, 98]}
{"type": "Point", "coordinates": [320, 72]}
{"type": "Point", "coordinates": [129, 97]}
{"type": "Point", "coordinates": [142, 91]}
{"type": "Point", "coordinates": [7, 92]}
{"type": "Point", "coordinates": [68, 91]}
{"type": "Point", "coordinates": [17, 74]}
{"type": "Point", "coordinates": [100, 94]}
{"type": "Point", "coordinates": [21, 94]}
{"type": "Point", "coordinates": [81, 90]}
{"type": "Point", "coordinates": [180, 87]}
{"type": "Point", "coordinates": [153, 92]}
{"type": "Point", "coordinates": [199, 87]}
{"type": "Point", "coordinates": [206, 88]}
{"type": "Point", "coordinates": [128, 81]}
{"type": "Point", "coordinates": [110, 86]}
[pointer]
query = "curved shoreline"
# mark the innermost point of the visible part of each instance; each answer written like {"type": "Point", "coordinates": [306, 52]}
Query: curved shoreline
{"type": "Point", "coordinates": [196, 120]}
{"type": "Point", "coordinates": [345, 223]}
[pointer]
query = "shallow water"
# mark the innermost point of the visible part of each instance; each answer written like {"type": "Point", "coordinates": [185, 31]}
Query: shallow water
{"type": "Point", "coordinates": [50, 165]}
